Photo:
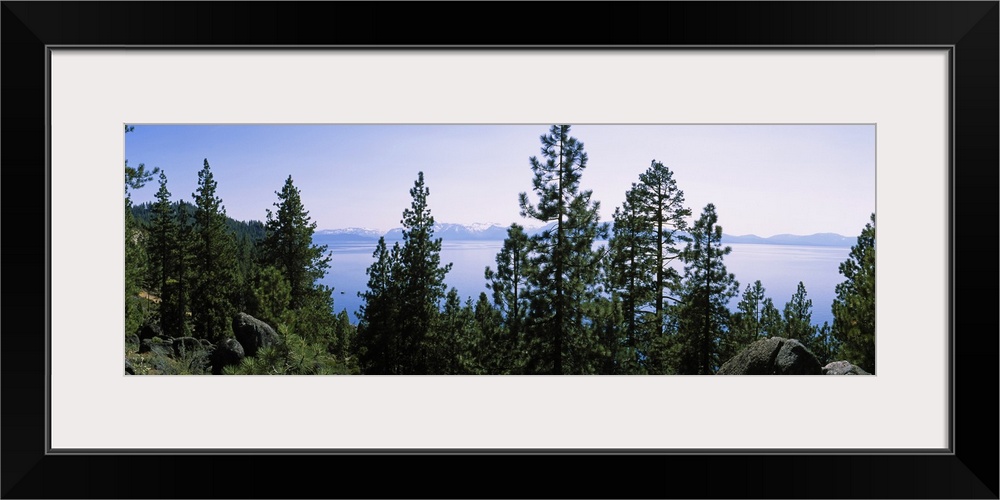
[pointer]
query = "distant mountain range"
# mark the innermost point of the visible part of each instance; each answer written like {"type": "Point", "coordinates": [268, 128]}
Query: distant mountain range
{"type": "Point", "coordinates": [497, 232]}
{"type": "Point", "coordinates": [813, 240]}
{"type": "Point", "coordinates": [480, 232]}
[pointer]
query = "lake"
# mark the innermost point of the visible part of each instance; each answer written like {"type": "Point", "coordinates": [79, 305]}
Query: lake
{"type": "Point", "coordinates": [778, 267]}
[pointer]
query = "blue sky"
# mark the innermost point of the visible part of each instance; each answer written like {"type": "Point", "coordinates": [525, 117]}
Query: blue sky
{"type": "Point", "coordinates": [763, 179]}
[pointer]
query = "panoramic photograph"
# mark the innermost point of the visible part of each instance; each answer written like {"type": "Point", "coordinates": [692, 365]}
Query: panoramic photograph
{"type": "Point", "coordinates": [471, 249]}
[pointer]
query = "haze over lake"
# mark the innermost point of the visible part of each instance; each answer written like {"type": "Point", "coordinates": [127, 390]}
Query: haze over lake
{"type": "Point", "coordinates": [778, 267]}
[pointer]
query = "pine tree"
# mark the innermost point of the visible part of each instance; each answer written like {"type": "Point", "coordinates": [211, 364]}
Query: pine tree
{"type": "Point", "coordinates": [270, 295]}
{"type": "Point", "coordinates": [854, 305]}
{"type": "Point", "coordinates": [457, 341]}
{"type": "Point", "coordinates": [707, 288]}
{"type": "Point", "coordinates": [165, 253]}
{"type": "Point", "coordinates": [163, 231]}
{"type": "Point", "coordinates": [747, 323]}
{"type": "Point", "coordinates": [135, 265]}
{"type": "Point", "coordinates": [214, 264]}
{"type": "Point", "coordinates": [565, 266]}
{"type": "Point", "coordinates": [136, 177]}
{"type": "Point", "coordinates": [184, 265]}
{"type": "Point", "coordinates": [247, 268]}
{"type": "Point", "coordinates": [315, 321]}
{"type": "Point", "coordinates": [345, 337]}
{"type": "Point", "coordinates": [508, 284]}
{"type": "Point", "coordinates": [824, 345]}
{"type": "Point", "coordinates": [648, 227]}
{"type": "Point", "coordinates": [422, 281]}
{"type": "Point", "coordinates": [662, 204]}
{"type": "Point", "coordinates": [135, 252]}
{"type": "Point", "coordinates": [614, 355]}
{"type": "Point", "coordinates": [630, 274]}
{"type": "Point", "coordinates": [288, 245]}
{"type": "Point", "coordinates": [499, 352]}
{"type": "Point", "coordinates": [798, 316]}
{"type": "Point", "coordinates": [771, 323]}
{"type": "Point", "coordinates": [378, 343]}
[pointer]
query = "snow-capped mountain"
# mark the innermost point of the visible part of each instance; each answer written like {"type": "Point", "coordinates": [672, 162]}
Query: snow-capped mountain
{"type": "Point", "coordinates": [498, 232]}
{"type": "Point", "coordinates": [346, 235]}
{"type": "Point", "coordinates": [815, 240]}
{"type": "Point", "coordinates": [477, 231]}
{"type": "Point", "coordinates": [360, 231]}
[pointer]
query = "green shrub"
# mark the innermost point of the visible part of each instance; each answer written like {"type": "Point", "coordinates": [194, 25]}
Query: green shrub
{"type": "Point", "coordinates": [292, 356]}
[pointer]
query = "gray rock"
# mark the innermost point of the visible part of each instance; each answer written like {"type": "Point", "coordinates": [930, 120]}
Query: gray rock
{"type": "Point", "coordinates": [772, 356]}
{"type": "Point", "coordinates": [129, 370]}
{"type": "Point", "coordinates": [253, 333]}
{"type": "Point", "coordinates": [795, 359]}
{"type": "Point", "coordinates": [757, 358]}
{"type": "Point", "coordinates": [228, 352]}
{"type": "Point", "coordinates": [132, 340]}
{"type": "Point", "coordinates": [843, 368]}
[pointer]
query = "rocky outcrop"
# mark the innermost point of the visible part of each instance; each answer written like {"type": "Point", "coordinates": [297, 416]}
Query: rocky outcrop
{"type": "Point", "coordinates": [226, 353]}
{"type": "Point", "coordinates": [843, 368]}
{"type": "Point", "coordinates": [253, 333]}
{"type": "Point", "coordinates": [773, 356]}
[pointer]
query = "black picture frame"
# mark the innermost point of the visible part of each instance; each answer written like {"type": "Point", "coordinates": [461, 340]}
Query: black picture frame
{"type": "Point", "coordinates": [969, 470]}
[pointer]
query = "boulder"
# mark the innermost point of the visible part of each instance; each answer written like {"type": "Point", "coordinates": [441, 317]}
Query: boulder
{"type": "Point", "coordinates": [795, 359]}
{"type": "Point", "coordinates": [253, 333]}
{"type": "Point", "coordinates": [228, 352]}
{"type": "Point", "coordinates": [843, 368]}
{"type": "Point", "coordinates": [129, 370]}
{"type": "Point", "coordinates": [773, 356]}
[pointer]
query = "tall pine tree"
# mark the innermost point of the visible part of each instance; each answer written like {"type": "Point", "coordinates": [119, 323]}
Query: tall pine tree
{"type": "Point", "coordinates": [378, 342]}
{"type": "Point", "coordinates": [630, 271]}
{"type": "Point", "coordinates": [662, 204]}
{"type": "Point", "coordinates": [707, 288]}
{"type": "Point", "coordinates": [214, 264]}
{"type": "Point", "coordinates": [165, 254]}
{"type": "Point", "coordinates": [288, 245]}
{"type": "Point", "coordinates": [854, 305]}
{"type": "Point", "coordinates": [648, 229]}
{"type": "Point", "coordinates": [421, 284]}
{"type": "Point", "coordinates": [508, 284]}
{"type": "Point", "coordinates": [183, 267]}
{"type": "Point", "coordinates": [565, 266]}
{"type": "Point", "coordinates": [747, 323]}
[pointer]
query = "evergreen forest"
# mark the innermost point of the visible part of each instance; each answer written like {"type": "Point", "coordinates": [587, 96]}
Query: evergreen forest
{"type": "Point", "coordinates": [646, 293]}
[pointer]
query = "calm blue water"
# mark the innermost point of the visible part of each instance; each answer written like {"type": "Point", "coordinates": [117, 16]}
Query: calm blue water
{"type": "Point", "coordinates": [778, 267]}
